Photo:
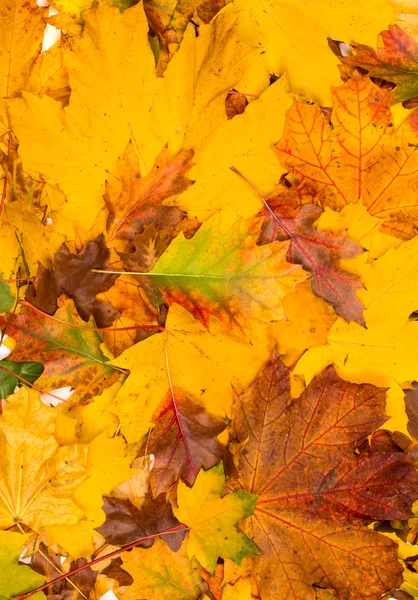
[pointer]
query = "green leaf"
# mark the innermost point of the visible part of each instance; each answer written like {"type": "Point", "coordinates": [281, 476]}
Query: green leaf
{"type": "Point", "coordinates": [16, 579]}
{"type": "Point", "coordinates": [211, 519]}
{"type": "Point", "coordinates": [7, 299]}
{"type": "Point", "coordinates": [30, 371]}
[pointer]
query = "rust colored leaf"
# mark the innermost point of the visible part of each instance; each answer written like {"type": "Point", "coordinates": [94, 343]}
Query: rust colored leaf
{"type": "Point", "coordinates": [72, 276]}
{"type": "Point", "coordinates": [235, 104]}
{"type": "Point", "coordinates": [315, 494]}
{"type": "Point", "coordinates": [136, 201]}
{"type": "Point", "coordinates": [411, 406]}
{"type": "Point", "coordinates": [183, 441]}
{"type": "Point", "coordinates": [48, 564]}
{"type": "Point", "coordinates": [319, 252]}
{"type": "Point", "coordinates": [125, 523]}
{"type": "Point", "coordinates": [115, 571]}
{"type": "Point", "coordinates": [356, 156]}
{"type": "Point", "coordinates": [71, 356]}
{"type": "Point", "coordinates": [396, 62]}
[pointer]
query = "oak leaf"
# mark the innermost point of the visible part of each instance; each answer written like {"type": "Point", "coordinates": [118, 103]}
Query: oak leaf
{"type": "Point", "coordinates": [183, 441]}
{"type": "Point", "coordinates": [69, 354]}
{"type": "Point", "coordinates": [319, 252]}
{"type": "Point", "coordinates": [315, 495]}
{"type": "Point", "coordinates": [72, 275]}
{"type": "Point", "coordinates": [134, 201]}
{"type": "Point", "coordinates": [356, 156]}
{"type": "Point", "coordinates": [211, 519]}
{"type": "Point", "coordinates": [222, 272]}
{"type": "Point", "coordinates": [396, 61]}
{"type": "Point", "coordinates": [160, 574]}
{"type": "Point", "coordinates": [125, 523]}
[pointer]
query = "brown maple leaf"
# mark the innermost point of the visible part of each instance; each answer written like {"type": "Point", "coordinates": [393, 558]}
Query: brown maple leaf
{"type": "Point", "coordinates": [136, 201]}
{"type": "Point", "coordinates": [183, 442]}
{"type": "Point", "coordinates": [72, 275]}
{"type": "Point", "coordinates": [319, 252]}
{"type": "Point", "coordinates": [125, 523]}
{"type": "Point", "coordinates": [315, 494]}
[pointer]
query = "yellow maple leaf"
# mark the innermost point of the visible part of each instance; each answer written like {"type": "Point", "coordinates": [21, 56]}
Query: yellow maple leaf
{"type": "Point", "coordinates": [218, 359]}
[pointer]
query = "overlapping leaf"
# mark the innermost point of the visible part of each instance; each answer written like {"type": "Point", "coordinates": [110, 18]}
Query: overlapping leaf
{"type": "Point", "coordinates": [315, 496]}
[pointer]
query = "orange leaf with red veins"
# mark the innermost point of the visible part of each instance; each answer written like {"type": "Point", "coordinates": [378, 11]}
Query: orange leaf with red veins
{"type": "Point", "coordinates": [135, 201]}
{"type": "Point", "coordinates": [356, 156]}
{"type": "Point", "coordinates": [71, 355]}
{"type": "Point", "coordinates": [396, 61]}
{"type": "Point", "coordinates": [183, 442]}
{"type": "Point", "coordinates": [315, 494]}
{"type": "Point", "coordinates": [319, 252]}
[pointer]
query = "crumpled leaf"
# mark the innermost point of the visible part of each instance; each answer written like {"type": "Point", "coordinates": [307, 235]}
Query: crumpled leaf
{"type": "Point", "coordinates": [16, 579]}
{"type": "Point", "coordinates": [211, 519]}
{"type": "Point", "coordinates": [38, 477]}
{"type": "Point", "coordinates": [358, 155]}
{"type": "Point", "coordinates": [319, 252]}
{"type": "Point", "coordinates": [160, 574]}
{"type": "Point", "coordinates": [183, 441]}
{"type": "Point", "coordinates": [222, 272]}
{"type": "Point", "coordinates": [235, 104]}
{"type": "Point", "coordinates": [69, 354]}
{"type": "Point", "coordinates": [28, 371]}
{"type": "Point", "coordinates": [315, 496]}
{"type": "Point", "coordinates": [125, 523]}
{"type": "Point", "coordinates": [72, 275]}
{"type": "Point", "coordinates": [134, 201]}
{"type": "Point", "coordinates": [396, 62]}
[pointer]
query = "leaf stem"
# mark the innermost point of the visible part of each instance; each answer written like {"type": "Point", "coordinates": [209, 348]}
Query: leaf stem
{"type": "Point", "coordinates": [46, 585]}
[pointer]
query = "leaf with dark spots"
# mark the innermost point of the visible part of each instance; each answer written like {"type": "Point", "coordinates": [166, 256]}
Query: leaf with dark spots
{"type": "Point", "coordinates": [319, 252]}
{"type": "Point", "coordinates": [136, 201]}
{"type": "Point", "coordinates": [71, 354]}
{"type": "Point", "coordinates": [72, 275]}
{"type": "Point", "coordinates": [235, 104]}
{"type": "Point", "coordinates": [125, 523]}
{"type": "Point", "coordinates": [396, 62]}
{"type": "Point", "coordinates": [183, 441]}
{"type": "Point", "coordinates": [316, 495]}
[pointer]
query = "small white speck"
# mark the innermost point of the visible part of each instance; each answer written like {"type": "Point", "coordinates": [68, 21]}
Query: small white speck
{"type": "Point", "coordinates": [51, 37]}
{"type": "Point", "coordinates": [49, 221]}
{"type": "Point", "coordinates": [4, 350]}
{"type": "Point", "coordinates": [345, 49]}
{"type": "Point", "coordinates": [62, 393]}
{"type": "Point", "coordinates": [52, 11]}
{"type": "Point", "coordinates": [109, 596]}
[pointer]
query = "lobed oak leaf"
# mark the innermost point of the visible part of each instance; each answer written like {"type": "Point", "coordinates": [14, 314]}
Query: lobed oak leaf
{"type": "Point", "coordinates": [356, 156]}
{"type": "Point", "coordinates": [68, 353]}
{"type": "Point", "coordinates": [160, 574]}
{"type": "Point", "coordinates": [72, 275]}
{"type": "Point", "coordinates": [183, 441]}
{"type": "Point", "coordinates": [319, 252]}
{"type": "Point", "coordinates": [125, 523]}
{"type": "Point", "coordinates": [218, 360]}
{"type": "Point", "coordinates": [134, 201]}
{"type": "Point", "coordinates": [16, 579]}
{"type": "Point", "coordinates": [222, 272]}
{"type": "Point", "coordinates": [315, 495]}
{"type": "Point", "coordinates": [211, 519]}
{"type": "Point", "coordinates": [396, 62]}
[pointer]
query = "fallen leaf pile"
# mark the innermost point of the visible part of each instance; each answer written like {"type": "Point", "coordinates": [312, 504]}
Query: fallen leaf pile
{"type": "Point", "coordinates": [208, 300]}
